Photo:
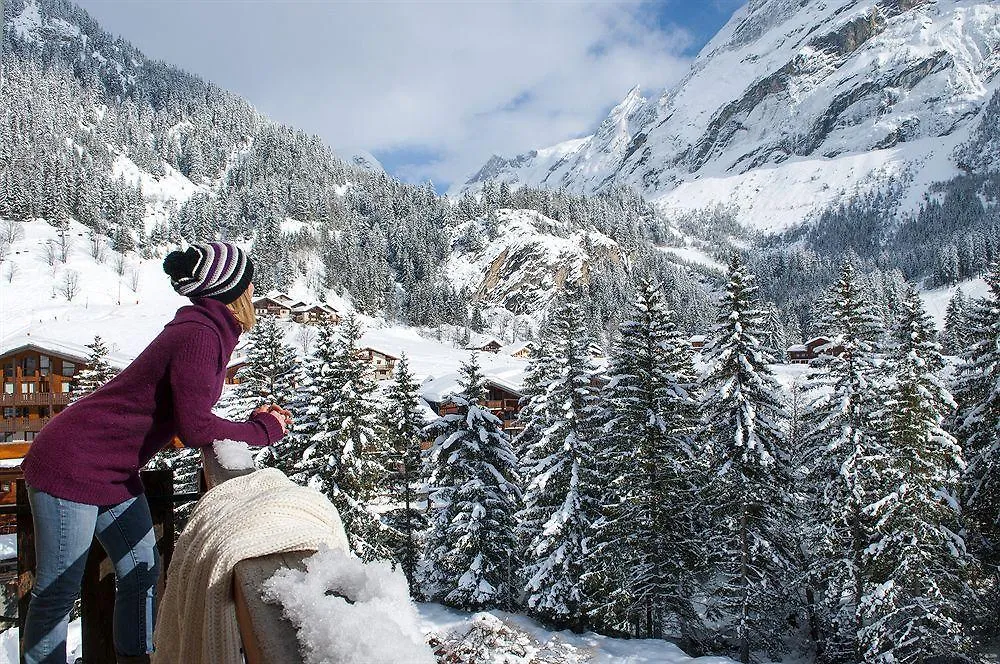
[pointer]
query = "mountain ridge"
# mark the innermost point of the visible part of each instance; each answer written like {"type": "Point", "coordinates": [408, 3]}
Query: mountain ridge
{"type": "Point", "coordinates": [809, 82]}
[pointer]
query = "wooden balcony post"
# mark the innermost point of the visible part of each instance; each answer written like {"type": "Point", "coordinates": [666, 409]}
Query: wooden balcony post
{"type": "Point", "coordinates": [25, 556]}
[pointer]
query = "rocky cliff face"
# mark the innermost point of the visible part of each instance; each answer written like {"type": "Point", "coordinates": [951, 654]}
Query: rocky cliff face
{"type": "Point", "coordinates": [528, 260]}
{"type": "Point", "coordinates": [792, 92]}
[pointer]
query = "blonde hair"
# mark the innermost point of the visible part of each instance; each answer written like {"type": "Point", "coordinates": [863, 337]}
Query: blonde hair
{"type": "Point", "coordinates": [242, 308]}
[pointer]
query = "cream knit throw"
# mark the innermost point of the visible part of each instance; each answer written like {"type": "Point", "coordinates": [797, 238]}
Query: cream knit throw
{"type": "Point", "coordinates": [254, 515]}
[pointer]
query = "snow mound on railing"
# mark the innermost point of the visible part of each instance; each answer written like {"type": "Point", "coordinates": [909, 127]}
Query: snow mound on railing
{"type": "Point", "coordinates": [233, 454]}
{"type": "Point", "coordinates": [348, 611]}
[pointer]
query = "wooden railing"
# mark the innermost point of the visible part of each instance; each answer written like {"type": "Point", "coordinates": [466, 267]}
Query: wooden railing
{"type": "Point", "coordinates": [15, 424]}
{"type": "Point", "coordinates": [36, 399]}
{"type": "Point", "coordinates": [268, 637]}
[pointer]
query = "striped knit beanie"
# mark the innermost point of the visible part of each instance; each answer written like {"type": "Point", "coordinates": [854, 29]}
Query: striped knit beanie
{"type": "Point", "coordinates": [219, 270]}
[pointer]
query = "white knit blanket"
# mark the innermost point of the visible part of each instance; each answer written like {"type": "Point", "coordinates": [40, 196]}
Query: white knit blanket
{"type": "Point", "coordinates": [254, 515]}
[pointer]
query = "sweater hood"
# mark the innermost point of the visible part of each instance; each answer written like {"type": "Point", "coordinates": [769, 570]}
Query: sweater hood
{"type": "Point", "coordinates": [213, 314]}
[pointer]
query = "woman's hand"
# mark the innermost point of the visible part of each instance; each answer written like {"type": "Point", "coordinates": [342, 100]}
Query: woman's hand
{"type": "Point", "coordinates": [283, 416]}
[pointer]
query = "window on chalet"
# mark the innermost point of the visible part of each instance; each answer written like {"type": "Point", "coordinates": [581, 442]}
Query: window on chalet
{"type": "Point", "coordinates": [28, 387]}
{"type": "Point", "coordinates": [68, 368]}
{"type": "Point", "coordinates": [66, 387]}
{"type": "Point", "coordinates": [8, 368]}
{"type": "Point", "coordinates": [44, 364]}
{"type": "Point", "coordinates": [5, 487]}
{"type": "Point", "coordinates": [8, 388]}
{"type": "Point", "coordinates": [9, 412]}
{"type": "Point", "coordinates": [29, 364]}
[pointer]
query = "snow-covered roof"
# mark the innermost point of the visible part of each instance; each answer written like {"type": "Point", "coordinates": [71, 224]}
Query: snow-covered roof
{"type": "Point", "coordinates": [698, 338]}
{"type": "Point", "coordinates": [76, 352]}
{"type": "Point", "coordinates": [380, 352]}
{"type": "Point", "coordinates": [518, 347]}
{"type": "Point", "coordinates": [436, 390]}
{"type": "Point", "coordinates": [10, 463]}
{"type": "Point", "coordinates": [797, 348]}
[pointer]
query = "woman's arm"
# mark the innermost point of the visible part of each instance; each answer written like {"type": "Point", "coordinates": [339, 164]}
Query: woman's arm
{"type": "Point", "coordinates": [193, 372]}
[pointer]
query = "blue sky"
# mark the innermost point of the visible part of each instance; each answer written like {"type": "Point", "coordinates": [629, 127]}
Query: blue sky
{"type": "Point", "coordinates": [430, 88]}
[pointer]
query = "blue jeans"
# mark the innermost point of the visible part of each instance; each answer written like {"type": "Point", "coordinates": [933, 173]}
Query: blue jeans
{"type": "Point", "coordinates": [64, 531]}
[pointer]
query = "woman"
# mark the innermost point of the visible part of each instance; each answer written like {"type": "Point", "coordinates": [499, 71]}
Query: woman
{"type": "Point", "coordinates": [82, 470]}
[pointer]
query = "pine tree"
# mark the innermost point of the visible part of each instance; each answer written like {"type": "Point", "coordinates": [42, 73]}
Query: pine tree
{"type": "Point", "coordinates": [345, 453]}
{"type": "Point", "coordinates": [955, 339]}
{"type": "Point", "coordinates": [269, 376]}
{"type": "Point", "coordinates": [843, 440]}
{"type": "Point", "coordinates": [978, 427]}
{"type": "Point", "coordinates": [404, 423]}
{"type": "Point", "coordinates": [560, 496]}
{"type": "Point", "coordinates": [470, 557]}
{"type": "Point", "coordinates": [647, 544]}
{"type": "Point", "coordinates": [916, 566]}
{"type": "Point", "coordinates": [749, 546]}
{"type": "Point", "coordinates": [98, 370]}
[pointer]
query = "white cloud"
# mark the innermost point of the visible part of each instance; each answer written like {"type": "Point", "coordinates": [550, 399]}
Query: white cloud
{"type": "Point", "coordinates": [436, 78]}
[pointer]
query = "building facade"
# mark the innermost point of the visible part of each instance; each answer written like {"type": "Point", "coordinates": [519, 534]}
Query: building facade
{"type": "Point", "coordinates": [37, 384]}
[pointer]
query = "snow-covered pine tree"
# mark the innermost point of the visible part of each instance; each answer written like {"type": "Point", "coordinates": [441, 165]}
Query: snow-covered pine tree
{"type": "Point", "coordinates": [916, 566]}
{"type": "Point", "coordinates": [747, 479]}
{"type": "Point", "coordinates": [269, 376]}
{"type": "Point", "coordinates": [98, 371]}
{"type": "Point", "coordinates": [978, 428]}
{"type": "Point", "coordinates": [561, 499]}
{"type": "Point", "coordinates": [843, 440]}
{"type": "Point", "coordinates": [470, 560]}
{"type": "Point", "coordinates": [646, 545]}
{"type": "Point", "coordinates": [404, 423]}
{"type": "Point", "coordinates": [774, 338]}
{"type": "Point", "coordinates": [955, 339]}
{"type": "Point", "coordinates": [346, 448]}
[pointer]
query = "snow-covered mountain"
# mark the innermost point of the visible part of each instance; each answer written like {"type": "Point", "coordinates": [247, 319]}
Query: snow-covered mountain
{"type": "Point", "coordinates": [794, 104]}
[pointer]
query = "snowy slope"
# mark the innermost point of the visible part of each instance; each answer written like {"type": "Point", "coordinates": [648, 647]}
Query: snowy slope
{"type": "Point", "coordinates": [793, 104]}
{"type": "Point", "coordinates": [936, 301]}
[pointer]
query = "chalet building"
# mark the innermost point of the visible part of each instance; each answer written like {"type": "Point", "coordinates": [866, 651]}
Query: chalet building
{"type": "Point", "coordinates": [521, 350]}
{"type": "Point", "coordinates": [698, 341]}
{"type": "Point", "coordinates": [234, 366]}
{"type": "Point", "coordinates": [37, 383]}
{"type": "Point", "coordinates": [382, 364]}
{"type": "Point", "coordinates": [315, 313]}
{"type": "Point", "coordinates": [502, 399]}
{"type": "Point", "coordinates": [812, 349]}
{"type": "Point", "coordinates": [272, 306]}
{"type": "Point", "coordinates": [491, 346]}
{"type": "Point", "coordinates": [11, 455]}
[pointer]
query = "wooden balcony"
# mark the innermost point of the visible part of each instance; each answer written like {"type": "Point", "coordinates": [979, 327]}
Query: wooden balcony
{"type": "Point", "coordinates": [503, 404]}
{"type": "Point", "coordinates": [36, 399]}
{"type": "Point", "coordinates": [16, 424]}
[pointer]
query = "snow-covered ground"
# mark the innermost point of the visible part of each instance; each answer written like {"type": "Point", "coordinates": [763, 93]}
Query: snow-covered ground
{"type": "Point", "coordinates": [936, 300]}
{"type": "Point", "coordinates": [508, 638]}
{"type": "Point", "coordinates": [33, 307]}
{"type": "Point", "coordinates": [9, 651]}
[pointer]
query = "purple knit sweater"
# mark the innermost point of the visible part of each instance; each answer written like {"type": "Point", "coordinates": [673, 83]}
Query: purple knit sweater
{"type": "Point", "coordinates": [92, 451]}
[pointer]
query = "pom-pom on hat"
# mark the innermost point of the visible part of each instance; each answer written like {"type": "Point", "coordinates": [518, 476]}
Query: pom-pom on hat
{"type": "Point", "coordinates": [219, 270]}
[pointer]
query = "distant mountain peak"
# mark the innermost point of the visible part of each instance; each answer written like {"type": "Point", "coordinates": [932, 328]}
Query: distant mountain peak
{"type": "Point", "coordinates": [793, 103]}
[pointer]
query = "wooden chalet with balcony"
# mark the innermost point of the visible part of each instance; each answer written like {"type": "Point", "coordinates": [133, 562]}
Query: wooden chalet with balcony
{"type": "Point", "coordinates": [315, 313]}
{"type": "Point", "coordinates": [280, 309]}
{"type": "Point", "coordinates": [37, 383]}
{"type": "Point", "coordinates": [812, 349]}
{"type": "Point", "coordinates": [383, 365]}
{"type": "Point", "coordinates": [502, 399]}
